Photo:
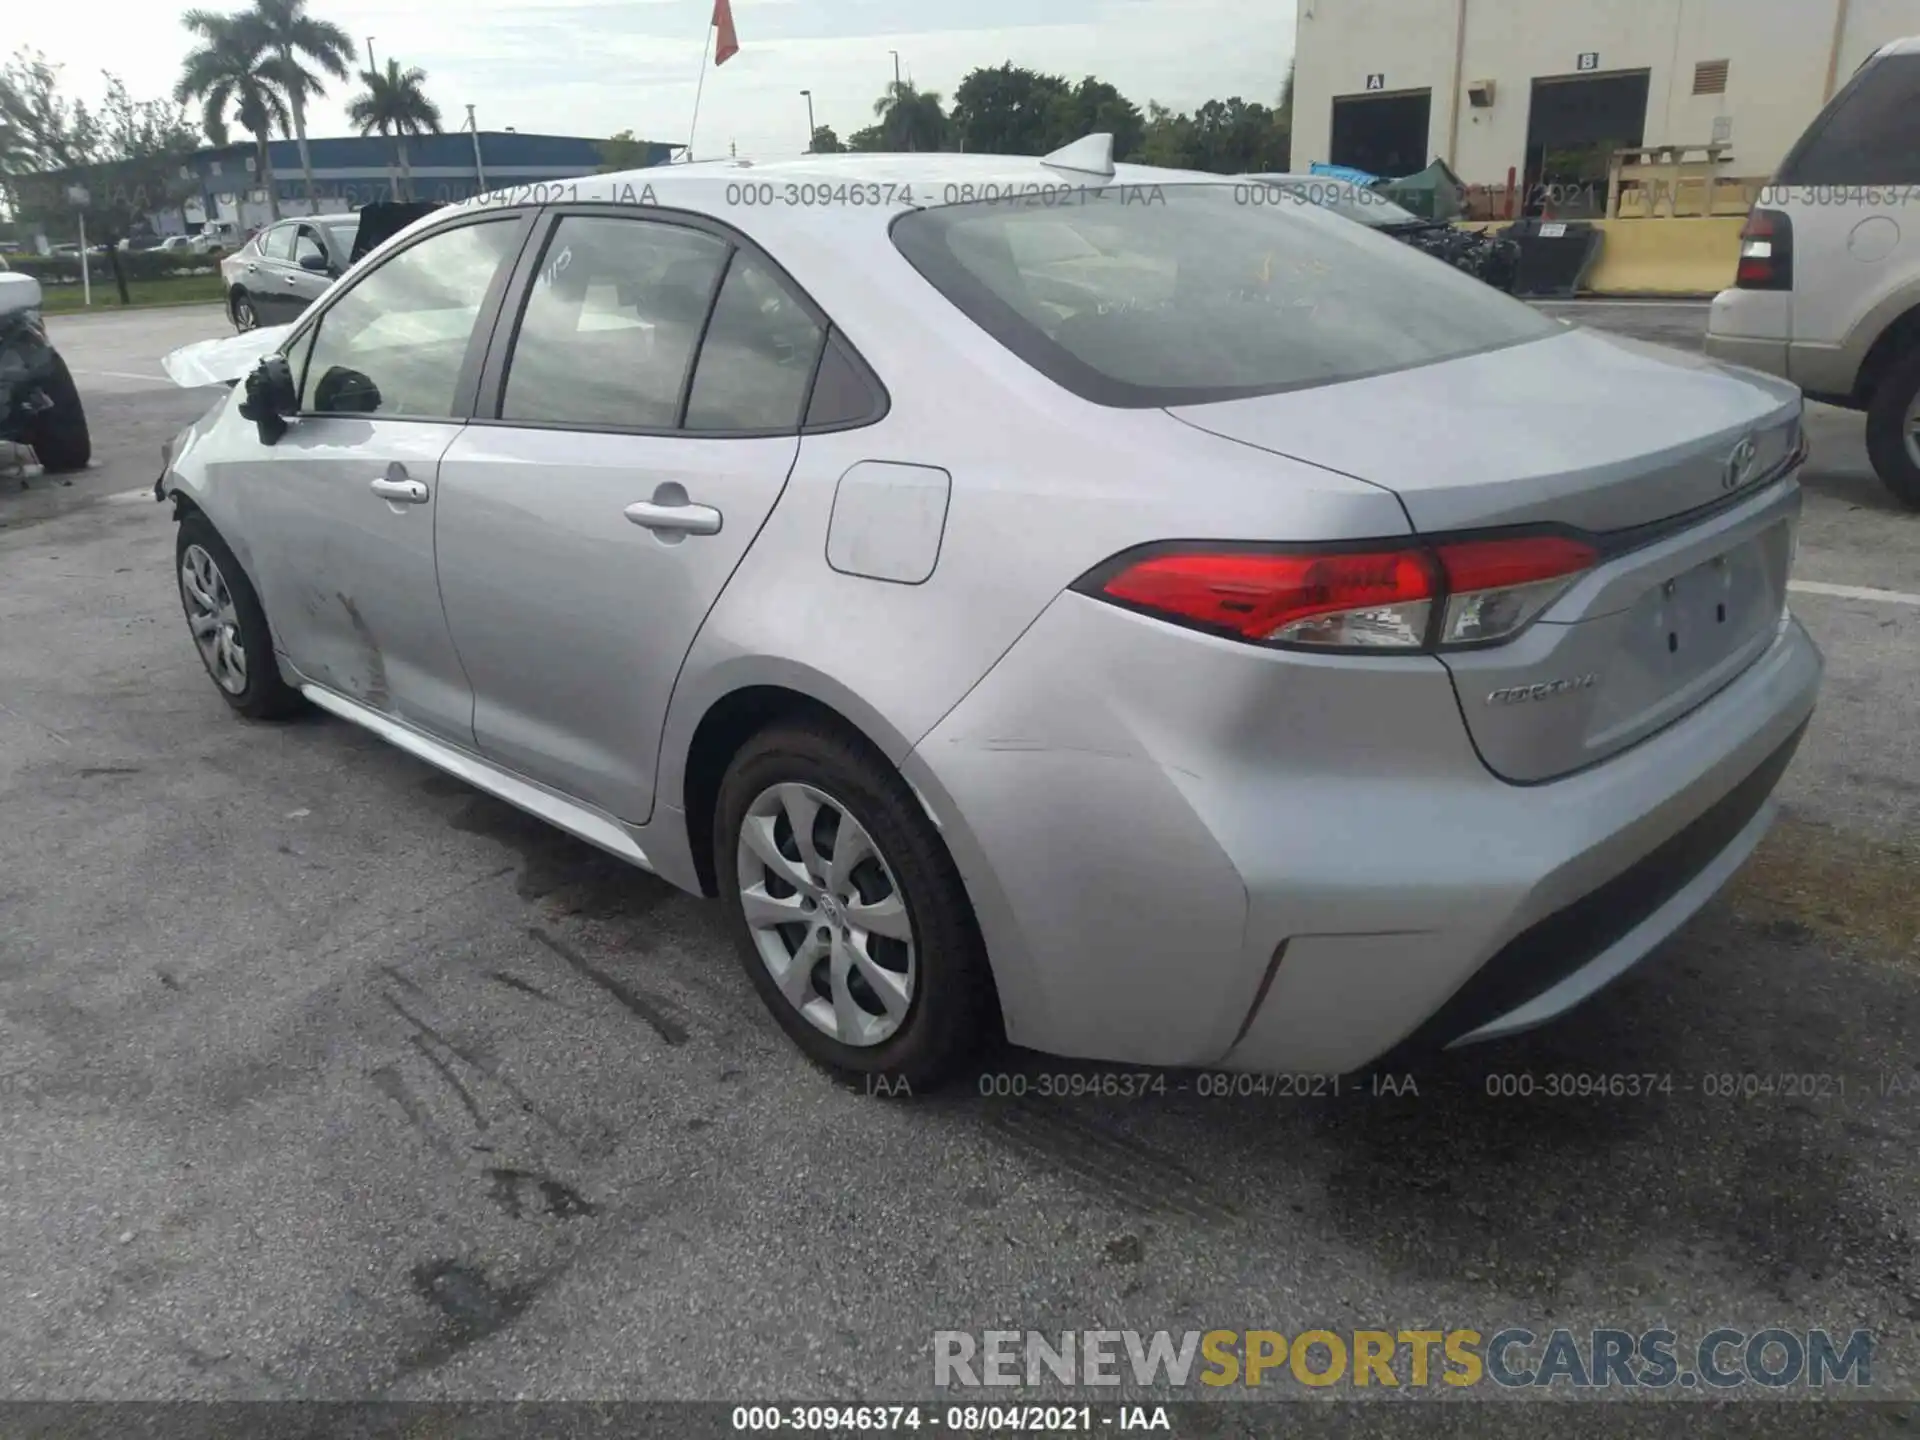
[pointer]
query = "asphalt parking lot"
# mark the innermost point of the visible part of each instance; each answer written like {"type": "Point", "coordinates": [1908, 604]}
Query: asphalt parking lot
{"type": "Point", "coordinates": [325, 1076]}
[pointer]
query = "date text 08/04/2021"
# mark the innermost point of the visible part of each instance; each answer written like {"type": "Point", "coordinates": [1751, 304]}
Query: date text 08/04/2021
{"type": "Point", "coordinates": [957, 1419]}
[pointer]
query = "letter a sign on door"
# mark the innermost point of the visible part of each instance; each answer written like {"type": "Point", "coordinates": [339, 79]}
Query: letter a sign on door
{"type": "Point", "coordinates": [1376, 82]}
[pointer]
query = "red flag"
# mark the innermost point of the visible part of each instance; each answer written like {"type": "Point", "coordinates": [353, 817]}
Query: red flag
{"type": "Point", "coordinates": [728, 44]}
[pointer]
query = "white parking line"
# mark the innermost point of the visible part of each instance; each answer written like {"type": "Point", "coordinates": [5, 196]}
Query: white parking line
{"type": "Point", "coordinates": [121, 375]}
{"type": "Point", "coordinates": [1853, 592]}
{"type": "Point", "coordinates": [1629, 304]}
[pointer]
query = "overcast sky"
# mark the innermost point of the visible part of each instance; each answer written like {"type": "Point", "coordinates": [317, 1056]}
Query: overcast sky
{"type": "Point", "coordinates": [592, 67]}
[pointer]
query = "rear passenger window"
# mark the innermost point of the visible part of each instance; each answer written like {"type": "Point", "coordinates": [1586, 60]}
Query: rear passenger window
{"type": "Point", "coordinates": [277, 243]}
{"type": "Point", "coordinates": [611, 324]}
{"type": "Point", "coordinates": [758, 356]}
{"type": "Point", "coordinates": [1868, 135]}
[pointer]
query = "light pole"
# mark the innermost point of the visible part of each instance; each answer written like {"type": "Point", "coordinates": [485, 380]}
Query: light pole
{"type": "Point", "coordinates": [896, 65]}
{"type": "Point", "coordinates": [810, 132]}
{"type": "Point", "coordinates": [370, 64]}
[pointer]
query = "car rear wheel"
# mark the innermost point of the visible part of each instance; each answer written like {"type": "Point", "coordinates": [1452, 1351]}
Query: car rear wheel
{"type": "Point", "coordinates": [852, 921]}
{"type": "Point", "coordinates": [228, 626]}
{"type": "Point", "coordinates": [245, 317]}
{"type": "Point", "coordinates": [1893, 430]}
{"type": "Point", "coordinates": [60, 439]}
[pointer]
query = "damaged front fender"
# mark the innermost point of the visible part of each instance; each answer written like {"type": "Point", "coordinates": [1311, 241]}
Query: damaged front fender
{"type": "Point", "coordinates": [224, 361]}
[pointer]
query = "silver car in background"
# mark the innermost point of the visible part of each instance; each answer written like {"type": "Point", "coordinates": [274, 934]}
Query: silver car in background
{"type": "Point", "coordinates": [1032, 595]}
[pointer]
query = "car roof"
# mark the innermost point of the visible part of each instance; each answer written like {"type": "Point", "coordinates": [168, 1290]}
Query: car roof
{"type": "Point", "coordinates": [1906, 45]}
{"type": "Point", "coordinates": [719, 189]}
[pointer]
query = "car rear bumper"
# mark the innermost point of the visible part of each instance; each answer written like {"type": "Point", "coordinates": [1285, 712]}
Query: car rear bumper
{"type": "Point", "coordinates": [1751, 328]}
{"type": "Point", "coordinates": [1754, 328]}
{"type": "Point", "coordinates": [1184, 852]}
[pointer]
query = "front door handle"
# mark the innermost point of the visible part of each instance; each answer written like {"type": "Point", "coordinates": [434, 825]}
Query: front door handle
{"type": "Point", "coordinates": [401, 492]}
{"type": "Point", "coordinates": [670, 514]}
{"type": "Point", "coordinates": [292, 280]}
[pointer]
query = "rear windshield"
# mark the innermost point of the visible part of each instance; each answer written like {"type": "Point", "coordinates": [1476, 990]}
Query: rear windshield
{"type": "Point", "coordinates": [1868, 134]}
{"type": "Point", "coordinates": [1185, 294]}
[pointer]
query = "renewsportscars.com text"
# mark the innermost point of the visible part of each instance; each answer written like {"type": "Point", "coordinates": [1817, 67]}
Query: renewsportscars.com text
{"type": "Point", "coordinates": [1510, 1357]}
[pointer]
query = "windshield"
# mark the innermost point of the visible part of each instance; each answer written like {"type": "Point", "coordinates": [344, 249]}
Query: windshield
{"type": "Point", "coordinates": [1185, 294]}
{"type": "Point", "coordinates": [1345, 199]}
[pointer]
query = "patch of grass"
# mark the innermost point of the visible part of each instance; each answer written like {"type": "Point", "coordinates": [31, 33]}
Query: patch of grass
{"type": "Point", "coordinates": [170, 290]}
{"type": "Point", "coordinates": [1810, 881]}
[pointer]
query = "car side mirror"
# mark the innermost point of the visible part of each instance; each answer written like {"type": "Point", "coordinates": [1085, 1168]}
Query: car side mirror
{"type": "Point", "coordinates": [316, 263]}
{"type": "Point", "coordinates": [271, 397]}
{"type": "Point", "coordinates": [344, 391]}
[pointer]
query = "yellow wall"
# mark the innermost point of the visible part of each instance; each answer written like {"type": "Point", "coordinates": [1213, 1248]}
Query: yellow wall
{"type": "Point", "coordinates": [1681, 256]}
{"type": "Point", "coordinates": [1677, 256]}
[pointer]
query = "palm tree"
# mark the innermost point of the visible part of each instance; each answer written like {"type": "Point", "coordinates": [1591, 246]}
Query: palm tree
{"type": "Point", "coordinates": [291, 37]}
{"type": "Point", "coordinates": [231, 69]}
{"type": "Point", "coordinates": [396, 104]}
{"type": "Point", "coordinates": [911, 119]}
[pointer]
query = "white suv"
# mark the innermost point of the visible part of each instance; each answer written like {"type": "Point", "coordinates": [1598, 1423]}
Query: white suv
{"type": "Point", "coordinates": [1827, 293]}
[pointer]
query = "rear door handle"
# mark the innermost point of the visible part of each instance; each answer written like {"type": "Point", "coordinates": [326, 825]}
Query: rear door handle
{"type": "Point", "coordinates": [401, 492]}
{"type": "Point", "coordinates": [674, 519]}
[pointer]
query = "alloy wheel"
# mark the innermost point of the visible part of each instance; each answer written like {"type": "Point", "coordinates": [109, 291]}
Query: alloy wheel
{"type": "Point", "coordinates": [213, 619]}
{"type": "Point", "coordinates": [826, 915]}
{"type": "Point", "coordinates": [243, 316]}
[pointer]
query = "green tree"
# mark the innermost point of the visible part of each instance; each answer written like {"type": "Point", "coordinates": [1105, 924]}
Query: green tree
{"type": "Point", "coordinates": [1094, 107]}
{"type": "Point", "coordinates": [911, 119]}
{"type": "Point", "coordinates": [1010, 110]}
{"type": "Point", "coordinates": [1167, 138]}
{"type": "Point", "coordinates": [872, 137]}
{"type": "Point", "coordinates": [136, 171]}
{"type": "Point", "coordinates": [292, 38]}
{"type": "Point", "coordinates": [621, 151]}
{"type": "Point", "coordinates": [230, 70]}
{"type": "Point", "coordinates": [1234, 137]}
{"type": "Point", "coordinates": [125, 157]}
{"type": "Point", "coordinates": [39, 128]}
{"type": "Point", "coordinates": [825, 142]}
{"type": "Point", "coordinates": [395, 103]}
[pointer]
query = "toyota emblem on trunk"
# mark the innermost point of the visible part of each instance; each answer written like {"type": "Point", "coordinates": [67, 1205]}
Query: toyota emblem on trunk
{"type": "Point", "coordinates": [1739, 467]}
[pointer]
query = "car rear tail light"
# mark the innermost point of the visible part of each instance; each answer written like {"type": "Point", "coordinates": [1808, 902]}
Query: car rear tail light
{"type": "Point", "coordinates": [1766, 252]}
{"type": "Point", "coordinates": [1405, 598]}
{"type": "Point", "coordinates": [1496, 587]}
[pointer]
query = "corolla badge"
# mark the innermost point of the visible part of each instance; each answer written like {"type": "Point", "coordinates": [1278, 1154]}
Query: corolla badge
{"type": "Point", "coordinates": [1738, 469]}
{"type": "Point", "coordinates": [1546, 690]}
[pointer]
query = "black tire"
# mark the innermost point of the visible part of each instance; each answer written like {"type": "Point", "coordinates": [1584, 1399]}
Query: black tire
{"type": "Point", "coordinates": [1887, 448]}
{"type": "Point", "coordinates": [242, 311]}
{"type": "Point", "coordinates": [60, 439]}
{"type": "Point", "coordinates": [266, 696]}
{"type": "Point", "coordinates": [953, 1009]}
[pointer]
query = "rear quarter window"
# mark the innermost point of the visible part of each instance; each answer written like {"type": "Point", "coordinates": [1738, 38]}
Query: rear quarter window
{"type": "Point", "coordinates": [1187, 294]}
{"type": "Point", "coordinates": [1869, 133]}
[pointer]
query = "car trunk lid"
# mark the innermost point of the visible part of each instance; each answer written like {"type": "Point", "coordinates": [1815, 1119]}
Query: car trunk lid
{"type": "Point", "coordinates": [1663, 460]}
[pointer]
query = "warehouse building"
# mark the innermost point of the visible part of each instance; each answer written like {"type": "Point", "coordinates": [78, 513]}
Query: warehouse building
{"type": "Point", "coordinates": [1540, 94]}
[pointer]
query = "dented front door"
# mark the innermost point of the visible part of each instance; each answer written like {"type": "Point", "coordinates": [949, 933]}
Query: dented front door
{"type": "Point", "coordinates": [342, 520]}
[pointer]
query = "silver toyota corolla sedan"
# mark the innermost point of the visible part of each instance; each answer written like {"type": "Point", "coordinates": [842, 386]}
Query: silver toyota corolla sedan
{"type": "Point", "coordinates": [1099, 602]}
